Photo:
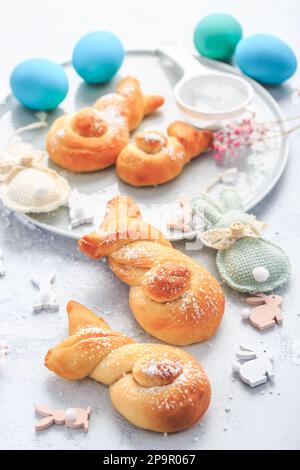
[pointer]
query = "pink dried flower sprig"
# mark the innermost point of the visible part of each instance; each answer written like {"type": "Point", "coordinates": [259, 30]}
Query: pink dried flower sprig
{"type": "Point", "coordinates": [234, 138]}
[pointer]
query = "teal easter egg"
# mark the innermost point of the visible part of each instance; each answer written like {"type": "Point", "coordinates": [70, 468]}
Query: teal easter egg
{"type": "Point", "coordinates": [237, 264]}
{"type": "Point", "coordinates": [97, 56]}
{"type": "Point", "coordinates": [266, 58]}
{"type": "Point", "coordinates": [39, 84]}
{"type": "Point", "coordinates": [217, 35]}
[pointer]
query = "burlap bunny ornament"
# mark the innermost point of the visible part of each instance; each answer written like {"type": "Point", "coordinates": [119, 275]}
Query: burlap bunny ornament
{"type": "Point", "coordinates": [246, 261]}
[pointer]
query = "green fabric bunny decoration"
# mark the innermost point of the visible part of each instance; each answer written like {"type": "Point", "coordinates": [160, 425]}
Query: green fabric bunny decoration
{"type": "Point", "coordinates": [246, 262]}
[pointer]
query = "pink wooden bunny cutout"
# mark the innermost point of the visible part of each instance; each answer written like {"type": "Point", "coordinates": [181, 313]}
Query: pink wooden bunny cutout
{"type": "Point", "coordinates": [73, 417]}
{"type": "Point", "coordinates": [267, 312]}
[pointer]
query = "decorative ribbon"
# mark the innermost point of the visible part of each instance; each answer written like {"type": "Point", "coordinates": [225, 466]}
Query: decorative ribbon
{"type": "Point", "coordinates": [223, 238]}
{"type": "Point", "coordinates": [21, 153]}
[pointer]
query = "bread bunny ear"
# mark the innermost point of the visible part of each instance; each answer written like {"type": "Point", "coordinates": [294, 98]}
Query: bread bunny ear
{"type": "Point", "coordinates": [81, 317]}
{"type": "Point", "coordinates": [152, 102]}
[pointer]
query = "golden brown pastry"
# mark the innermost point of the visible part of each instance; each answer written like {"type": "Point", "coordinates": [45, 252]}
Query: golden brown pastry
{"type": "Point", "coordinates": [91, 139]}
{"type": "Point", "coordinates": [153, 386]}
{"type": "Point", "coordinates": [139, 105]}
{"type": "Point", "coordinates": [171, 296]}
{"type": "Point", "coordinates": [153, 158]}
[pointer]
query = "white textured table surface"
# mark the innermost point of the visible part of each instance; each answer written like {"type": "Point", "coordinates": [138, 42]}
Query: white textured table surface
{"type": "Point", "coordinates": [256, 420]}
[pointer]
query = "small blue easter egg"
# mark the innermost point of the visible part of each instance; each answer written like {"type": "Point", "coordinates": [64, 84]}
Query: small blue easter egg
{"type": "Point", "coordinates": [266, 58]}
{"type": "Point", "coordinates": [39, 84]}
{"type": "Point", "coordinates": [217, 35]}
{"type": "Point", "coordinates": [98, 56]}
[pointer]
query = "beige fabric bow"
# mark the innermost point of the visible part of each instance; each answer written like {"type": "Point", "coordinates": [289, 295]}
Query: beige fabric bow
{"type": "Point", "coordinates": [19, 154]}
{"type": "Point", "coordinates": [223, 238]}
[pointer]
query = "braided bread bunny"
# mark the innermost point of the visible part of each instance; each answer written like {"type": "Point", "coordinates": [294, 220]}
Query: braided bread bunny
{"type": "Point", "coordinates": [92, 138]}
{"type": "Point", "coordinates": [153, 386]}
{"type": "Point", "coordinates": [154, 158]}
{"type": "Point", "coordinates": [171, 296]}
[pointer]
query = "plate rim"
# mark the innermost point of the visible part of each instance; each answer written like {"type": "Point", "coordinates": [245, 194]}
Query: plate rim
{"type": "Point", "coordinates": [223, 66]}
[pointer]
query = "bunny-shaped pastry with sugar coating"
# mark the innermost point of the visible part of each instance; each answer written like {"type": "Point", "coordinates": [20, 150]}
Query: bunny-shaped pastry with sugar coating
{"type": "Point", "coordinates": [267, 312]}
{"type": "Point", "coordinates": [153, 386]}
{"type": "Point", "coordinates": [92, 138]}
{"type": "Point", "coordinates": [155, 158]}
{"type": "Point", "coordinates": [171, 296]}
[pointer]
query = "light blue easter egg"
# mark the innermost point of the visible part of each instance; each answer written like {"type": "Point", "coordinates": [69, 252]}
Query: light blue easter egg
{"type": "Point", "coordinates": [98, 56]}
{"type": "Point", "coordinates": [39, 84]}
{"type": "Point", "coordinates": [217, 35]}
{"type": "Point", "coordinates": [266, 58]}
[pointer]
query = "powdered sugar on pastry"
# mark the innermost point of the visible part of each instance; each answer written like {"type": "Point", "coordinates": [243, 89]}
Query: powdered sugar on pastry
{"type": "Point", "coordinates": [92, 138]}
{"type": "Point", "coordinates": [154, 386]}
{"type": "Point", "coordinates": [154, 158]}
{"type": "Point", "coordinates": [171, 296]}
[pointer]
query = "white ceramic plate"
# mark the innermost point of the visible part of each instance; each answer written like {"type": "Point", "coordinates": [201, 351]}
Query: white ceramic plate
{"type": "Point", "coordinates": [257, 173]}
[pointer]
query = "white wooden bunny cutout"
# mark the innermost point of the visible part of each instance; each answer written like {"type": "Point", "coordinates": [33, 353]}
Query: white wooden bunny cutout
{"type": "Point", "coordinates": [46, 298]}
{"type": "Point", "coordinates": [267, 313]}
{"type": "Point", "coordinates": [257, 367]}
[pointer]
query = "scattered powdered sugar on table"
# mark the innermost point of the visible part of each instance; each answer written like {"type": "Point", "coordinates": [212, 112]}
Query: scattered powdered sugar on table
{"type": "Point", "coordinates": [3, 352]}
{"type": "Point", "coordinates": [2, 266]}
{"type": "Point", "coordinates": [295, 352]}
